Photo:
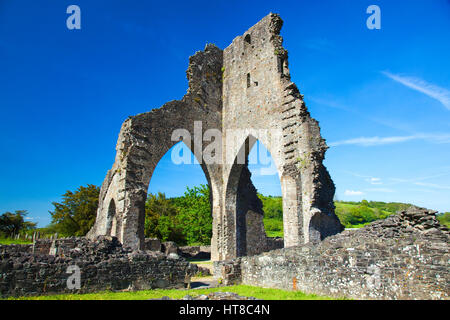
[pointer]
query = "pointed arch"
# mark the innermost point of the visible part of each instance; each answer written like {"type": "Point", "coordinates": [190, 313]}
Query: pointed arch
{"type": "Point", "coordinates": [111, 219]}
{"type": "Point", "coordinates": [243, 209]}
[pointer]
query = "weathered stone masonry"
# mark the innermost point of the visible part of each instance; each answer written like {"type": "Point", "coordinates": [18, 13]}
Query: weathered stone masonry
{"type": "Point", "coordinates": [405, 256]}
{"type": "Point", "coordinates": [246, 89]}
{"type": "Point", "coordinates": [104, 264]}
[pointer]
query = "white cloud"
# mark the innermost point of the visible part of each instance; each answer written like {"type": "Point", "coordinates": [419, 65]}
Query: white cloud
{"type": "Point", "coordinates": [418, 181]}
{"type": "Point", "coordinates": [353, 193]}
{"type": "Point", "coordinates": [369, 179]}
{"type": "Point", "coordinates": [440, 94]}
{"type": "Point", "coordinates": [384, 190]}
{"type": "Point", "coordinates": [378, 141]}
{"type": "Point", "coordinates": [432, 185]}
{"type": "Point", "coordinates": [373, 180]}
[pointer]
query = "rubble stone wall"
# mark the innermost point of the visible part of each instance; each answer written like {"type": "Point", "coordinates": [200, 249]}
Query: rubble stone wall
{"type": "Point", "coordinates": [104, 265]}
{"type": "Point", "coordinates": [405, 256]}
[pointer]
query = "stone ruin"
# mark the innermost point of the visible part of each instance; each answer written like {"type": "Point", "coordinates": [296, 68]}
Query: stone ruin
{"type": "Point", "coordinates": [44, 267]}
{"type": "Point", "coordinates": [246, 87]}
{"type": "Point", "coordinates": [245, 92]}
{"type": "Point", "coordinates": [405, 256]}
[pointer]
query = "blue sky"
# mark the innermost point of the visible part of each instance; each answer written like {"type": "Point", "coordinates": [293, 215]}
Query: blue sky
{"type": "Point", "coordinates": [381, 96]}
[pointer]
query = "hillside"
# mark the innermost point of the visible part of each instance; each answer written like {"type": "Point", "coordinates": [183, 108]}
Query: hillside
{"type": "Point", "coordinates": [351, 214]}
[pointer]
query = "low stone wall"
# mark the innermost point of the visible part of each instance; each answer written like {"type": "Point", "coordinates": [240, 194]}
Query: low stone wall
{"type": "Point", "coordinates": [152, 244]}
{"type": "Point", "coordinates": [405, 256]}
{"type": "Point", "coordinates": [274, 243]}
{"type": "Point", "coordinates": [195, 252]}
{"type": "Point", "coordinates": [104, 264]}
{"type": "Point", "coordinates": [204, 252]}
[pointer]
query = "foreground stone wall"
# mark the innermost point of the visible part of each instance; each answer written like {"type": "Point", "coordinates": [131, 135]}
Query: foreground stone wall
{"type": "Point", "coordinates": [104, 265]}
{"type": "Point", "coordinates": [405, 256]}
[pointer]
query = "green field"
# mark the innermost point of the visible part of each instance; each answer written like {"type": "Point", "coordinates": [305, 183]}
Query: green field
{"type": "Point", "coordinates": [14, 241]}
{"type": "Point", "coordinates": [248, 291]}
{"type": "Point", "coordinates": [444, 219]}
{"type": "Point", "coordinates": [351, 214]}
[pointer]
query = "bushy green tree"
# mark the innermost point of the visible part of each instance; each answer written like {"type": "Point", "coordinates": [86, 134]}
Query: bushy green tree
{"type": "Point", "coordinates": [14, 223]}
{"type": "Point", "coordinates": [195, 215]}
{"type": "Point", "coordinates": [185, 220]}
{"type": "Point", "coordinates": [272, 206]}
{"type": "Point", "coordinates": [76, 214]}
{"type": "Point", "coordinates": [161, 220]}
{"type": "Point", "coordinates": [444, 219]}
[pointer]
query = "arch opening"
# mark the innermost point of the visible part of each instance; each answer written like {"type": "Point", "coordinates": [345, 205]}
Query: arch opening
{"type": "Point", "coordinates": [179, 201]}
{"type": "Point", "coordinates": [245, 204]}
{"type": "Point", "coordinates": [111, 220]}
{"type": "Point", "coordinates": [248, 39]}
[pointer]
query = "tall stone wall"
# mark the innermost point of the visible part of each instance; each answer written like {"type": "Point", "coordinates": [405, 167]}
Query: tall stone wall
{"type": "Point", "coordinates": [244, 93]}
{"type": "Point", "coordinates": [261, 103]}
{"type": "Point", "coordinates": [403, 257]}
{"type": "Point", "coordinates": [145, 138]}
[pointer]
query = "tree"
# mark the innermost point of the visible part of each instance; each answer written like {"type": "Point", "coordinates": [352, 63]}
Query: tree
{"type": "Point", "coordinates": [14, 223]}
{"type": "Point", "coordinates": [161, 219]}
{"type": "Point", "coordinates": [444, 219]}
{"type": "Point", "coordinates": [185, 220]}
{"type": "Point", "coordinates": [76, 214]}
{"type": "Point", "coordinates": [365, 203]}
{"type": "Point", "coordinates": [195, 215]}
{"type": "Point", "coordinates": [272, 206]}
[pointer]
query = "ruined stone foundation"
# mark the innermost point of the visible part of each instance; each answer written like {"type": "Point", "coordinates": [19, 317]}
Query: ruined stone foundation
{"type": "Point", "coordinates": [45, 267]}
{"type": "Point", "coordinates": [405, 256]}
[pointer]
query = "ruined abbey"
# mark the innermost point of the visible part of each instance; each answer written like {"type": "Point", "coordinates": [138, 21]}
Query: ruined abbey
{"type": "Point", "coordinates": [245, 88]}
{"type": "Point", "coordinates": [244, 93]}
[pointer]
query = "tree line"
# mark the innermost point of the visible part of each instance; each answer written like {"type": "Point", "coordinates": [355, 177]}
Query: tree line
{"type": "Point", "coordinates": [186, 219]}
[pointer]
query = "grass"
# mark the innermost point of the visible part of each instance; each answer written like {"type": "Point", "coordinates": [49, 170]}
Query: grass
{"type": "Point", "coordinates": [243, 290]}
{"type": "Point", "coordinates": [199, 261]}
{"type": "Point", "coordinates": [15, 241]}
{"type": "Point", "coordinates": [348, 213]}
{"type": "Point", "coordinates": [273, 234]}
{"type": "Point", "coordinates": [357, 226]}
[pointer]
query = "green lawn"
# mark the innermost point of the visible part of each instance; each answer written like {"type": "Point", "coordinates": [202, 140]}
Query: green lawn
{"type": "Point", "coordinates": [351, 214]}
{"type": "Point", "coordinates": [243, 290]}
{"type": "Point", "coordinates": [273, 234]}
{"type": "Point", "coordinates": [14, 241]}
{"type": "Point", "coordinates": [199, 261]}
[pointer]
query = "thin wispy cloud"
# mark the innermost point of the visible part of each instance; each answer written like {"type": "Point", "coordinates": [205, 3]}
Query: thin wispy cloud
{"type": "Point", "coordinates": [432, 185]}
{"type": "Point", "coordinates": [438, 175]}
{"type": "Point", "coordinates": [370, 179]}
{"type": "Point", "coordinates": [378, 141]}
{"type": "Point", "coordinates": [433, 91]}
{"type": "Point", "coordinates": [374, 180]}
{"type": "Point", "coordinates": [419, 181]}
{"type": "Point", "coordinates": [383, 190]}
{"type": "Point", "coordinates": [353, 193]}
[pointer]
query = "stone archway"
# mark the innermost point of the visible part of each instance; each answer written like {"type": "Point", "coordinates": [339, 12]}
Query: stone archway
{"type": "Point", "coordinates": [145, 138]}
{"type": "Point", "coordinates": [111, 219]}
{"type": "Point", "coordinates": [244, 88]}
{"type": "Point", "coordinates": [243, 209]}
